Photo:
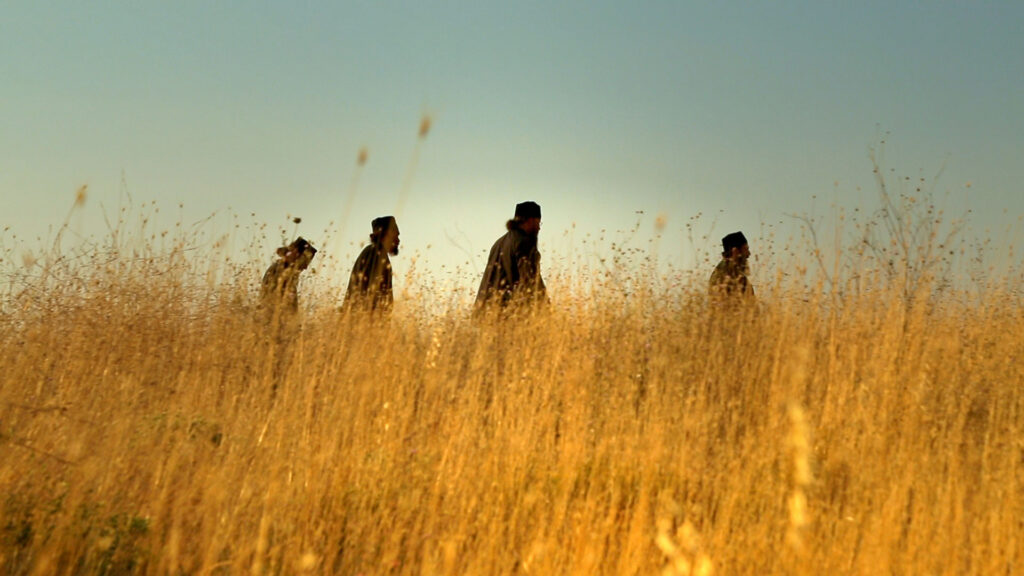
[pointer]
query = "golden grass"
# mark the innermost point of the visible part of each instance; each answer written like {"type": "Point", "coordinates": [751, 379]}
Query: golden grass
{"type": "Point", "coordinates": [152, 425]}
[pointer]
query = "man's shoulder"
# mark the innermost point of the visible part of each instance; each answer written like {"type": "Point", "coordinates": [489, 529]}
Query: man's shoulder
{"type": "Point", "coordinates": [521, 241]}
{"type": "Point", "coordinates": [274, 269]}
{"type": "Point", "coordinates": [502, 240]}
{"type": "Point", "coordinates": [368, 252]}
{"type": "Point", "coordinates": [724, 273]}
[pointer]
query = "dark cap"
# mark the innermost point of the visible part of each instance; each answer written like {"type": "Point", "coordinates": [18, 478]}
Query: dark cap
{"type": "Point", "coordinates": [527, 210]}
{"type": "Point", "coordinates": [302, 245]}
{"type": "Point", "coordinates": [383, 224]}
{"type": "Point", "coordinates": [734, 240]}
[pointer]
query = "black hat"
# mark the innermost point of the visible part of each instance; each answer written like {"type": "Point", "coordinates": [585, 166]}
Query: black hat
{"type": "Point", "coordinates": [302, 245]}
{"type": "Point", "coordinates": [383, 224]}
{"type": "Point", "coordinates": [734, 240]}
{"type": "Point", "coordinates": [527, 210]}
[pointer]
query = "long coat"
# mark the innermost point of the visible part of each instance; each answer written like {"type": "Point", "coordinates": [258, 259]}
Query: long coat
{"type": "Point", "coordinates": [369, 285]}
{"type": "Point", "coordinates": [279, 290]}
{"type": "Point", "coordinates": [730, 279]}
{"type": "Point", "coordinates": [513, 271]}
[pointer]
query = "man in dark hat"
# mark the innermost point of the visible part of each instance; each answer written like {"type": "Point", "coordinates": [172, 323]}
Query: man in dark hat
{"type": "Point", "coordinates": [369, 285]}
{"type": "Point", "coordinates": [730, 276]}
{"type": "Point", "coordinates": [513, 266]}
{"type": "Point", "coordinates": [279, 291]}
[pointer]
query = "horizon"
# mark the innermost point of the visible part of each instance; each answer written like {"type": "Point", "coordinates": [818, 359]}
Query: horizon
{"type": "Point", "coordinates": [711, 116]}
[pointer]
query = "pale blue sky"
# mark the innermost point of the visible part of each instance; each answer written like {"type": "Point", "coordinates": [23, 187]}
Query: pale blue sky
{"type": "Point", "coordinates": [593, 109]}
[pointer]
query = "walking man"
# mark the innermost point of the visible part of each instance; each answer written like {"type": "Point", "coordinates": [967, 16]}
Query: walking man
{"type": "Point", "coordinates": [369, 285]}
{"type": "Point", "coordinates": [512, 275]}
{"type": "Point", "coordinates": [279, 290]}
{"type": "Point", "coordinates": [730, 276]}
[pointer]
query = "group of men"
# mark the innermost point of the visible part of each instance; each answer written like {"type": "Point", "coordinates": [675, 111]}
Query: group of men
{"type": "Point", "coordinates": [512, 277]}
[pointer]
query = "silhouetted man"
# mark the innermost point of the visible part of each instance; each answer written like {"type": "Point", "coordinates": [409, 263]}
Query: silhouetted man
{"type": "Point", "coordinates": [369, 285]}
{"type": "Point", "coordinates": [513, 275]}
{"type": "Point", "coordinates": [279, 290]}
{"type": "Point", "coordinates": [730, 276]}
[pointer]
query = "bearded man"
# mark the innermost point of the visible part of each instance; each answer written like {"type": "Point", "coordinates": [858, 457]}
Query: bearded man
{"type": "Point", "coordinates": [730, 279]}
{"type": "Point", "coordinates": [369, 285]}
{"type": "Point", "coordinates": [513, 274]}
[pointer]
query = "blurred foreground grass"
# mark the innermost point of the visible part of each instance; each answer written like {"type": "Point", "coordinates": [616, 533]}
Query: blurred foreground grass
{"type": "Point", "coordinates": [152, 425]}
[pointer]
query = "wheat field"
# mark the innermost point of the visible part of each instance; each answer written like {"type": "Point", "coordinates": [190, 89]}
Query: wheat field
{"type": "Point", "coordinates": [151, 422]}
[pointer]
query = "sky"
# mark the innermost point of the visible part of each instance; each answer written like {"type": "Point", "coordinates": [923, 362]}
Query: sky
{"type": "Point", "coordinates": [724, 115]}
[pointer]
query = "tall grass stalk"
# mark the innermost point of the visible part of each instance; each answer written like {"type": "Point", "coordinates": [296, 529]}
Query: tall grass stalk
{"type": "Point", "coordinates": [151, 423]}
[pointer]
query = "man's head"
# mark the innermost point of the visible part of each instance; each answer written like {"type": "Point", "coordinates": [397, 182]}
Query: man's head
{"type": "Point", "coordinates": [385, 234]}
{"type": "Point", "coordinates": [734, 247]}
{"type": "Point", "coordinates": [300, 252]}
{"type": "Point", "coordinates": [527, 217]}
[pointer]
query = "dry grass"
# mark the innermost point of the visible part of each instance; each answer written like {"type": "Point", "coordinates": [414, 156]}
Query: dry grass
{"type": "Point", "coordinates": [150, 424]}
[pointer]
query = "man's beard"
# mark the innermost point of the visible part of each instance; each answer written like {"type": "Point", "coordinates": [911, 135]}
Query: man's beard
{"type": "Point", "coordinates": [393, 251]}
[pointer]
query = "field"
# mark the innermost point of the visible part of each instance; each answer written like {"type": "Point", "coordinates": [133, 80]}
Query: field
{"type": "Point", "coordinates": [152, 423]}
